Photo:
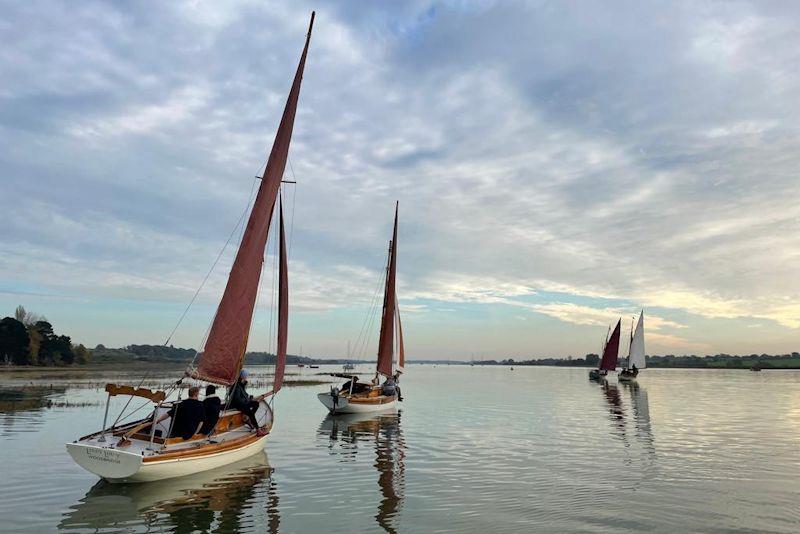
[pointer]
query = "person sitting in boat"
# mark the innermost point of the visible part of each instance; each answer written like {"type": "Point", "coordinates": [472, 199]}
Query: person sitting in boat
{"type": "Point", "coordinates": [634, 369]}
{"type": "Point", "coordinates": [390, 387]}
{"type": "Point", "coordinates": [211, 409]}
{"type": "Point", "coordinates": [187, 416]}
{"type": "Point", "coordinates": [239, 399]}
{"type": "Point", "coordinates": [354, 386]}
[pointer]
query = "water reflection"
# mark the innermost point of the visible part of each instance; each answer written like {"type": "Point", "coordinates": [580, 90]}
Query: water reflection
{"type": "Point", "coordinates": [21, 407]}
{"type": "Point", "coordinates": [641, 415]}
{"type": "Point", "coordinates": [220, 500]}
{"type": "Point", "coordinates": [616, 411]}
{"type": "Point", "coordinates": [346, 434]}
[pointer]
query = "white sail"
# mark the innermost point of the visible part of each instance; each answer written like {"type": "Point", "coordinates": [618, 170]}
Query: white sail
{"type": "Point", "coordinates": [636, 354]}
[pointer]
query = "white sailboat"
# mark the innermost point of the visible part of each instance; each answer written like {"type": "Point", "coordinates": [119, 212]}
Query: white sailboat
{"type": "Point", "coordinates": [144, 450]}
{"type": "Point", "coordinates": [636, 357]}
{"type": "Point", "coordinates": [363, 397]}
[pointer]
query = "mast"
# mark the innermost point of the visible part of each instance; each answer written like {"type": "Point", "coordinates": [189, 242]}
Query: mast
{"type": "Point", "coordinates": [227, 340]}
{"type": "Point", "coordinates": [630, 346]}
{"type": "Point", "coordinates": [386, 341]}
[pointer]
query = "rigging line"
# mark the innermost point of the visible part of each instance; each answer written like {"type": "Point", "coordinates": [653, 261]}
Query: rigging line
{"type": "Point", "coordinates": [146, 403]}
{"type": "Point", "coordinates": [366, 329]}
{"type": "Point", "coordinates": [294, 198]}
{"type": "Point", "coordinates": [208, 274]}
{"type": "Point", "coordinates": [259, 295]}
{"type": "Point", "coordinates": [128, 403]}
{"type": "Point", "coordinates": [271, 291]}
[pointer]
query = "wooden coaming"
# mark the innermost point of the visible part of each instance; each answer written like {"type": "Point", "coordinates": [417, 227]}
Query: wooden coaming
{"type": "Point", "coordinates": [205, 450]}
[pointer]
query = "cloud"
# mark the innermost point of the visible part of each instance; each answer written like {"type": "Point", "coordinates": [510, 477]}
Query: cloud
{"type": "Point", "coordinates": [636, 154]}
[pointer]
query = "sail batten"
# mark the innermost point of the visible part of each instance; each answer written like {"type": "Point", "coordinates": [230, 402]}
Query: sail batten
{"type": "Point", "coordinates": [227, 340]}
{"type": "Point", "coordinates": [386, 341]}
{"type": "Point", "coordinates": [611, 350]}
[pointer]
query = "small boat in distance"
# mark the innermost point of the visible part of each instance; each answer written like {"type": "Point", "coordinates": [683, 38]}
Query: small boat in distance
{"type": "Point", "coordinates": [636, 359]}
{"type": "Point", "coordinates": [610, 354]}
{"type": "Point", "coordinates": [362, 397]}
{"type": "Point", "coordinates": [145, 450]}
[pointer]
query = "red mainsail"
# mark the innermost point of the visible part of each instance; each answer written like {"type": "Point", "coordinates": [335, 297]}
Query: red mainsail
{"type": "Point", "coordinates": [611, 351]}
{"type": "Point", "coordinates": [227, 340]}
{"type": "Point", "coordinates": [386, 341]}
{"type": "Point", "coordinates": [283, 309]}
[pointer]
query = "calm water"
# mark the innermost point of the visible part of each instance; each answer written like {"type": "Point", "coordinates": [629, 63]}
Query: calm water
{"type": "Point", "coordinates": [472, 450]}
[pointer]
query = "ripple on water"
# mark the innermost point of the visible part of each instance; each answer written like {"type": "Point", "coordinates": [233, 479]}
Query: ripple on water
{"type": "Point", "coordinates": [472, 450]}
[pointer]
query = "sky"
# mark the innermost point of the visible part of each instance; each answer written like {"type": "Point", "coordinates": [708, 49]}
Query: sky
{"type": "Point", "coordinates": [559, 166]}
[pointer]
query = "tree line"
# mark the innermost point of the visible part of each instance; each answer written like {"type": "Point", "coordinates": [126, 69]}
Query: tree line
{"type": "Point", "coordinates": [29, 339]}
{"type": "Point", "coordinates": [716, 361]}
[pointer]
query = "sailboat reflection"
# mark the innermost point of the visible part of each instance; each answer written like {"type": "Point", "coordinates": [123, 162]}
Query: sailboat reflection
{"type": "Point", "coordinates": [347, 432]}
{"type": "Point", "coordinates": [641, 415]}
{"type": "Point", "coordinates": [219, 500]}
{"type": "Point", "coordinates": [616, 411]}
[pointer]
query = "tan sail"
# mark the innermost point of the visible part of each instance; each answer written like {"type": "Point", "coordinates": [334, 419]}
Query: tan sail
{"type": "Point", "coordinates": [386, 341]}
{"type": "Point", "coordinates": [227, 340]}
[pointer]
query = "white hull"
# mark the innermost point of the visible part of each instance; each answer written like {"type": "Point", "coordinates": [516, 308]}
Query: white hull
{"type": "Point", "coordinates": [142, 462]}
{"type": "Point", "coordinates": [345, 406]}
{"type": "Point", "coordinates": [115, 465]}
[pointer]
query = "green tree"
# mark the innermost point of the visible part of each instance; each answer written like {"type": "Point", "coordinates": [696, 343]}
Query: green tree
{"type": "Point", "coordinates": [82, 354]}
{"type": "Point", "coordinates": [13, 341]}
{"type": "Point", "coordinates": [63, 346]}
{"type": "Point", "coordinates": [34, 345]}
{"type": "Point", "coordinates": [47, 345]}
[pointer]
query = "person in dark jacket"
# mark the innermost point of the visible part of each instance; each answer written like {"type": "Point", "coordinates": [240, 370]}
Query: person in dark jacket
{"type": "Point", "coordinates": [187, 416]}
{"type": "Point", "coordinates": [240, 400]}
{"type": "Point", "coordinates": [211, 409]}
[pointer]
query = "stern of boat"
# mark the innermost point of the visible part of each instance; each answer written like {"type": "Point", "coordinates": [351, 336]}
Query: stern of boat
{"type": "Point", "coordinates": [106, 462]}
{"type": "Point", "coordinates": [333, 403]}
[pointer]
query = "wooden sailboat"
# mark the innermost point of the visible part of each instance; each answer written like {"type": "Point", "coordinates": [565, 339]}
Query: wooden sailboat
{"type": "Point", "coordinates": [361, 397]}
{"type": "Point", "coordinates": [610, 354]}
{"type": "Point", "coordinates": [636, 359]}
{"type": "Point", "coordinates": [143, 450]}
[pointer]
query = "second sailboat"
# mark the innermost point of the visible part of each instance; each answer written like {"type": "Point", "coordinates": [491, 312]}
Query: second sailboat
{"type": "Point", "coordinates": [359, 397]}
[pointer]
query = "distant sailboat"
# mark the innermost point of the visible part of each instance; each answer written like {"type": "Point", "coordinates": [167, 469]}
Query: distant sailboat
{"type": "Point", "coordinates": [636, 358]}
{"type": "Point", "coordinates": [361, 397]}
{"type": "Point", "coordinates": [144, 450]}
{"type": "Point", "coordinates": [610, 354]}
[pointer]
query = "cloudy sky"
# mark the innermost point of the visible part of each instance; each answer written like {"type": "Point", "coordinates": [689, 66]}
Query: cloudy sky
{"type": "Point", "coordinates": [558, 165]}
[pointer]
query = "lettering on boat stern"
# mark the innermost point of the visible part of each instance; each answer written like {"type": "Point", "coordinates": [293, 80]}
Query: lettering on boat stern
{"type": "Point", "coordinates": [103, 455]}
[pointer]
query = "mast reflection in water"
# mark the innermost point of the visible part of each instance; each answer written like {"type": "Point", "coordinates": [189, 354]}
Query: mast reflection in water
{"type": "Point", "coordinates": [346, 433]}
{"type": "Point", "coordinates": [220, 500]}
